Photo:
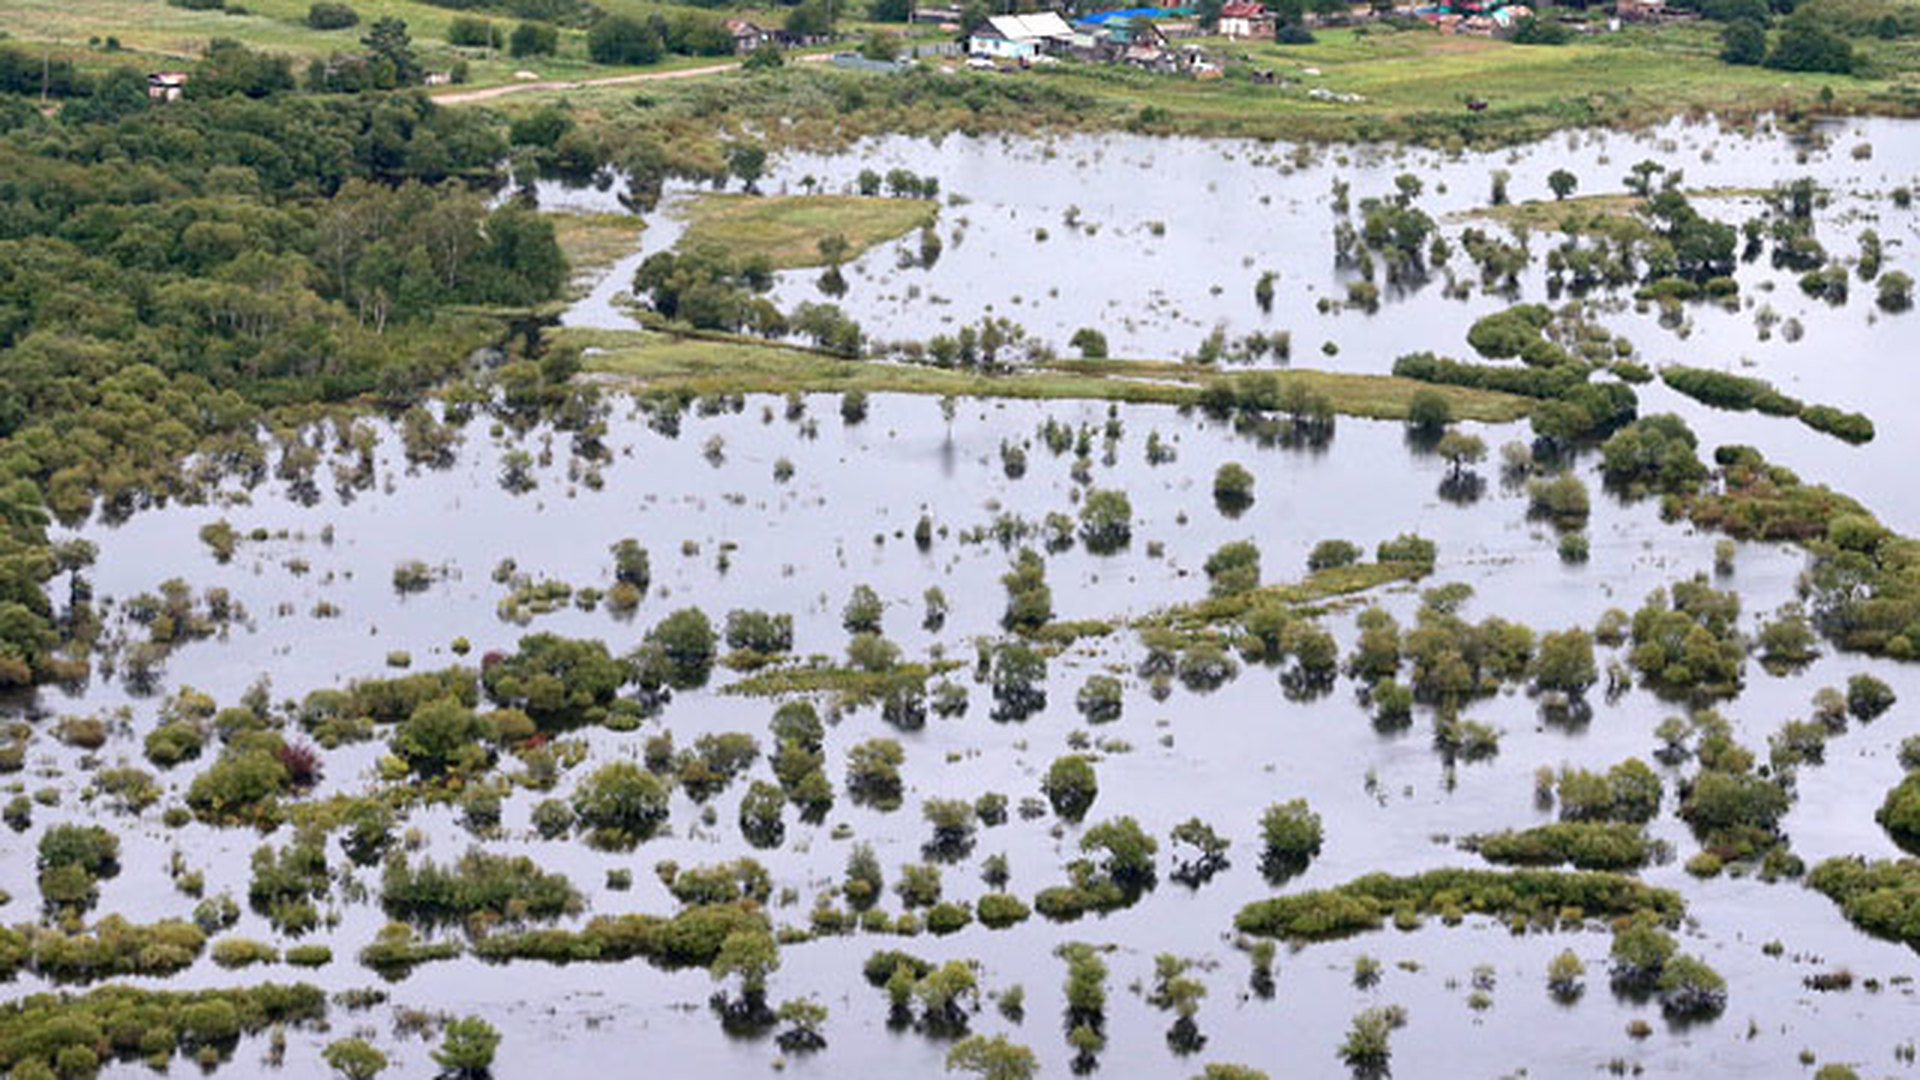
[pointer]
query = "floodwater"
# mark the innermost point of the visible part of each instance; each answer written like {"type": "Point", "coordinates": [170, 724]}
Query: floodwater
{"type": "Point", "coordinates": [846, 517]}
{"type": "Point", "coordinates": [1172, 235]}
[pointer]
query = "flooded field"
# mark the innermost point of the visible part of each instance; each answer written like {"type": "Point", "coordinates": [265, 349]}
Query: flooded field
{"type": "Point", "coordinates": [1157, 264]}
{"type": "Point", "coordinates": [791, 507]}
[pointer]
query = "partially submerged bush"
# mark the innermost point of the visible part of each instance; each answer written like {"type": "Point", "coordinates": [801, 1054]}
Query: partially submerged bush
{"type": "Point", "coordinates": [621, 804]}
{"type": "Point", "coordinates": [498, 887]}
{"type": "Point", "coordinates": [1539, 895]}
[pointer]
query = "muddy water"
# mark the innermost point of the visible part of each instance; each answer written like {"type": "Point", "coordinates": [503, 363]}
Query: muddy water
{"type": "Point", "coordinates": [846, 517]}
{"type": "Point", "coordinates": [1172, 234]}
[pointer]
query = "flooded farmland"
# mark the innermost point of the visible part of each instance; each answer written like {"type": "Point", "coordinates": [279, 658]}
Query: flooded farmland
{"type": "Point", "coordinates": [792, 506]}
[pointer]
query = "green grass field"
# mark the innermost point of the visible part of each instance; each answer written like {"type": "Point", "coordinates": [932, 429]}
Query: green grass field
{"type": "Point", "coordinates": [787, 229]}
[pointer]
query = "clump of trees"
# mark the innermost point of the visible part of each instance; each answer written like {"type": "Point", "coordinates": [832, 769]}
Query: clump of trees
{"type": "Point", "coordinates": [1029, 600]}
{"type": "Point", "coordinates": [1520, 895]}
{"type": "Point", "coordinates": [72, 860]}
{"type": "Point", "coordinates": [1106, 520]}
{"type": "Point", "coordinates": [620, 804]}
{"type": "Point", "coordinates": [1290, 837]}
{"type": "Point", "coordinates": [493, 888]}
{"type": "Point", "coordinates": [1071, 786]}
{"type": "Point", "coordinates": [1654, 453]}
{"type": "Point", "coordinates": [54, 1033]}
{"type": "Point", "coordinates": [1686, 640]}
{"type": "Point", "coordinates": [1232, 488]}
{"type": "Point", "coordinates": [1881, 897]}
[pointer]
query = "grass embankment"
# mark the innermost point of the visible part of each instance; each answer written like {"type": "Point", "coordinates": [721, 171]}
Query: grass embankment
{"type": "Point", "coordinates": [788, 229]}
{"type": "Point", "coordinates": [668, 363]}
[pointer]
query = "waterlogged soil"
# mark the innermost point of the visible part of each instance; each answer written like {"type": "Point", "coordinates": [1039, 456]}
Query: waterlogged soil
{"type": "Point", "coordinates": [845, 517]}
{"type": "Point", "coordinates": [1157, 242]}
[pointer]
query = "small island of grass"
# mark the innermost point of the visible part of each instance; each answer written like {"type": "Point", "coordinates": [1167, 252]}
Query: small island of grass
{"type": "Point", "coordinates": [788, 229]}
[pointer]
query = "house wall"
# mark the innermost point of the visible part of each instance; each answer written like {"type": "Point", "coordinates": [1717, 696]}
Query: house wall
{"type": "Point", "coordinates": [1000, 48]}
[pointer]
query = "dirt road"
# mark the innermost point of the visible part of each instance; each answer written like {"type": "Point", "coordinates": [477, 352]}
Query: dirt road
{"type": "Point", "coordinates": [488, 93]}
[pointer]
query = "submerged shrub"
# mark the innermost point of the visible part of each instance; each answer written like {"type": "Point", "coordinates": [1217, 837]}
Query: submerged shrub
{"type": "Point", "coordinates": [1071, 786]}
{"type": "Point", "coordinates": [621, 804]}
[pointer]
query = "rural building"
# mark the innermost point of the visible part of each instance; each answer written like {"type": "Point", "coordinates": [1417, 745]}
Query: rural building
{"type": "Point", "coordinates": [748, 36]}
{"type": "Point", "coordinates": [166, 85]}
{"type": "Point", "coordinates": [1244, 19]}
{"type": "Point", "coordinates": [939, 15]}
{"type": "Point", "coordinates": [1021, 37]}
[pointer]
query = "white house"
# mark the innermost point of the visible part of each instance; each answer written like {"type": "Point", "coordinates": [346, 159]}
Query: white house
{"type": "Point", "coordinates": [1020, 37]}
{"type": "Point", "coordinates": [1245, 19]}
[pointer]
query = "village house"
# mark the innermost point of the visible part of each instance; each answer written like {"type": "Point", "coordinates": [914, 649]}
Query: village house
{"type": "Point", "coordinates": [1244, 19]}
{"type": "Point", "coordinates": [166, 85]}
{"type": "Point", "coordinates": [748, 36]}
{"type": "Point", "coordinates": [1021, 37]}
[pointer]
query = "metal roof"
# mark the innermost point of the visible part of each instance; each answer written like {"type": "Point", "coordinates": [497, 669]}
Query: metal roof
{"type": "Point", "coordinates": [1030, 27]}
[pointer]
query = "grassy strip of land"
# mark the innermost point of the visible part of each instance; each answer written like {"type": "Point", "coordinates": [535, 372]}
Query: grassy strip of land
{"type": "Point", "coordinates": [854, 684]}
{"type": "Point", "coordinates": [667, 363]}
{"type": "Point", "coordinates": [593, 242]}
{"type": "Point", "coordinates": [1542, 897]}
{"type": "Point", "coordinates": [1316, 588]}
{"type": "Point", "coordinates": [788, 229]}
{"type": "Point", "coordinates": [1306, 594]}
{"type": "Point", "coordinates": [1587, 213]}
